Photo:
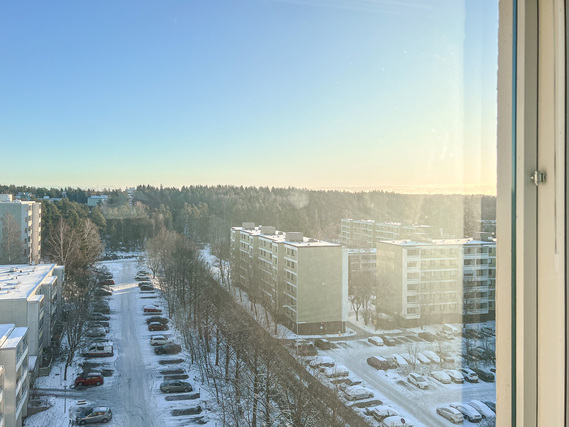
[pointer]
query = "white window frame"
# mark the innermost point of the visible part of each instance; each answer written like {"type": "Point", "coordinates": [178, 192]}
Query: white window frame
{"type": "Point", "coordinates": [530, 294]}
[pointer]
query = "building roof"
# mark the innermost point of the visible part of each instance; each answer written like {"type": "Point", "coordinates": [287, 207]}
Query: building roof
{"type": "Point", "coordinates": [5, 329]}
{"type": "Point", "coordinates": [15, 337]}
{"type": "Point", "coordinates": [20, 281]}
{"type": "Point", "coordinates": [281, 237]}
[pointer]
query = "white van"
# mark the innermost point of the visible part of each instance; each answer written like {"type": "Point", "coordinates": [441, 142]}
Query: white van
{"type": "Point", "coordinates": [99, 350]}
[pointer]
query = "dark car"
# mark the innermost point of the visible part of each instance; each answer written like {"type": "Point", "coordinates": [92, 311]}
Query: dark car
{"type": "Point", "coordinates": [490, 404]}
{"type": "Point", "coordinates": [469, 333]}
{"type": "Point", "coordinates": [193, 410]}
{"type": "Point", "coordinates": [427, 336]}
{"type": "Point", "coordinates": [157, 326]}
{"type": "Point", "coordinates": [323, 344]}
{"type": "Point", "coordinates": [175, 386]}
{"type": "Point", "coordinates": [160, 319]}
{"type": "Point", "coordinates": [99, 414]}
{"type": "Point", "coordinates": [388, 340]}
{"type": "Point", "coordinates": [103, 292]}
{"type": "Point", "coordinates": [144, 283]}
{"type": "Point", "coordinates": [146, 288]}
{"type": "Point", "coordinates": [169, 348]}
{"type": "Point", "coordinates": [379, 362]}
{"type": "Point", "coordinates": [91, 378]}
{"type": "Point", "coordinates": [485, 375]}
{"type": "Point", "coordinates": [99, 316]}
{"type": "Point", "coordinates": [107, 282]}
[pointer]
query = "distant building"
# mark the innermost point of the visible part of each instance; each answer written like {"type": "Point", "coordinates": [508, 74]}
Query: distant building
{"type": "Point", "coordinates": [96, 200]}
{"type": "Point", "coordinates": [27, 216]}
{"type": "Point", "coordinates": [29, 298]}
{"type": "Point", "coordinates": [438, 281]}
{"type": "Point", "coordinates": [306, 279]}
{"type": "Point", "coordinates": [362, 260]}
{"type": "Point", "coordinates": [366, 233]}
{"type": "Point", "coordinates": [14, 366]}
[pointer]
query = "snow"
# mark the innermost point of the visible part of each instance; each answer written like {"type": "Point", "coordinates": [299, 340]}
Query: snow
{"type": "Point", "coordinates": [22, 282]}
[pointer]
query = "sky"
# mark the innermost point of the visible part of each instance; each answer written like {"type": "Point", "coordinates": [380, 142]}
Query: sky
{"type": "Point", "coordinates": [329, 94]}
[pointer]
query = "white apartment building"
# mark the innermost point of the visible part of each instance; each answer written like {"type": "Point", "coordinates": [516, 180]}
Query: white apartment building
{"type": "Point", "coordinates": [438, 281]}
{"type": "Point", "coordinates": [27, 217]}
{"type": "Point", "coordinates": [29, 298]}
{"type": "Point", "coordinates": [14, 353]}
{"type": "Point", "coordinates": [366, 233]}
{"type": "Point", "coordinates": [305, 280]}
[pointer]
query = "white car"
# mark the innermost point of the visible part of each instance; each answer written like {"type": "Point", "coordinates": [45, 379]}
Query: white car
{"type": "Point", "coordinates": [376, 341]}
{"type": "Point", "coordinates": [468, 412]}
{"type": "Point", "coordinates": [409, 359]}
{"type": "Point", "coordinates": [336, 371]}
{"type": "Point", "coordinates": [321, 362]}
{"type": "Point", "coordinates": [418, 380]}
{"type": "Point", "coordinates": [396, 421]}
{"type": "Point", "coordinates": [399, 360]}
{"type": "Point", "coordinates": [483, 409]}
{"type": "Point", "coordinates": [433, 357]}
{"type": "Point", "coordinates": [357, 393]}
{"type": "Point", "coordinates": [455, 376]}
{"type": "Point", "coordinates": [158, 340]}
{"type": "Point", "coordinates": [382, 412]}
{"type": "Point", "coordinates": [451, 414]}
{"type": "Point", "coordinates": [441, 376]}
{"type": "Point", "coordinates": [423, 359]}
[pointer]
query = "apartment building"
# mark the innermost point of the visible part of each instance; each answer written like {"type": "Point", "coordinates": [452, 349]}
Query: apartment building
{"type": "Point", "coordinates": [29, 298]}
{"type": "Point", "coordinates": [366, 233]}
{"type": "Point", "coordinates": [14, 353]}
{"type": "Point", "coordinates": [303, 281]}
{"type": "Point", "coordinates": [27, 222]}
{"type": "Point", "coordinates": [438, 281]}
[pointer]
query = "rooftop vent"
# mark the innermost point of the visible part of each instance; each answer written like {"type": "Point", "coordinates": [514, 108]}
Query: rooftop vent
{"type": "Point", "coordinates": [294, 236]}
{"type": "Point", "coordinates": [249, 225]}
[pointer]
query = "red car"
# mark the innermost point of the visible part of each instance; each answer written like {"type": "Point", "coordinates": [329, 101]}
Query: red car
{"type": "Point", "coordinates": [152, 309]}
{"type": "Point", "coordinates": [107, 282]}
{"type": "Point", "coordinates": [92, 378]}
{"type": "Point", "coordinates": [157, 326]}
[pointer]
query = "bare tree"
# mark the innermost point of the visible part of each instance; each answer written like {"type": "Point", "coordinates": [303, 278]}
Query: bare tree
{"type": "Point", "coordinates": [12, 248]}
{"type": "Point", "coordinates": [64, 243]}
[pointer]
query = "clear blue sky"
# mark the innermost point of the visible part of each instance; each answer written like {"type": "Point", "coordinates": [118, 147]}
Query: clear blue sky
{"type": "Point", "coordinates": [309, 93]}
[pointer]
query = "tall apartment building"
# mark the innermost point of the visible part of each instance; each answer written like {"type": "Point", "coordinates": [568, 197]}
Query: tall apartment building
{"type": "Point", "coordinates": [27, 216]}
{"type": "Point", "coordinates": [366, 233]}
{"type": "Point", "coordinates": [305, 280]}
{"type": "Point", "coordinates": [437, 281]}
{"type": "Point", "coordinates": [14, 351]}
{"type": "Point", "coordinates": [29, 298]}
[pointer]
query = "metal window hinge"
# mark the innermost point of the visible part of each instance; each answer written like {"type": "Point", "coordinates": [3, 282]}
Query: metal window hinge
{"type": "Point", "coordinates": [537, 177]}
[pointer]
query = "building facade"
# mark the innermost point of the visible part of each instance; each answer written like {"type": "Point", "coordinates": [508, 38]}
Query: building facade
{"type": "Point", "coordinates": [366, 233]}
{"type": "Point", "coordinates": [14, 358]}
{"type": "Point", "coordinates": [303, 281]}
{"type": "Point", "coordinates": [27, 220]}
{"type": "Point", "coordinates": [438, 281]}
{"type": "Point", "coordinates": [29, 298]}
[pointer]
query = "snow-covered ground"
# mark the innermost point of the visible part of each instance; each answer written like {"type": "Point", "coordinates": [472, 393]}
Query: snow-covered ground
{"type": "Point", "coordinates": [132, 391]}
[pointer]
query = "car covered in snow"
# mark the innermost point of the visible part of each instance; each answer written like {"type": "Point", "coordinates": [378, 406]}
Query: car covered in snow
{"type": "Point", "coordinates": [336, 371]}
{"type": "Point", "coordinates": [375, 341]}
{"type": "Point", "coordinates": [441, 376]}
{"type": "Point", "coordinates": [468, 412]}
{"type": "Point", "coordinates": [451, 414]}
{"type": "Point", "coordinates": [418, 380]}
{"type": "Point", "coordinates": [357, 393]}
{"type": "Point", "coordinates": [152, 309]}
{"type": "Point", "coordinates": [382, 412]}
{"type": "Point", "coordinates": [321, 362]}
{"type": "Point", "coordinates": [455, 375]}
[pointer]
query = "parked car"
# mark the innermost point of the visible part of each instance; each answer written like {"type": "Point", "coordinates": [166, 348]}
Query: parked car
{"type": "Point", "coordinates": [418, 380]}
{"type": "Point", "coordinates": [375, 341]}
{"type": "Point", "coordinates": [453, 330]}
{"type": "Point", "coordinates": [99, 316]}
{"type": "Point", "coordinates": [175, 386]}
{"type": "Point", "coordinates": [169, 348]}
{"type": "Point", "coordinates": [455, 375]}
{"type": "Point", "coordinates": [145, 283]}
{"type": "Point", "coordinates": [103, 292]}
{"type": "Point", "coordinates": [482, 409]}
{"type": "Point", "coordinates": [441, 376]}
{"type": "Point", "coordinates": [379, 362]}
{"type": "Point", "coordinates": [152, 309]}
{"type": "Point", "coordinates": [142, 277]}
{"type": "Point", "coordinates": [321, 362]}
{"type": "Point", "coordinates": [469, 375]}
{"type": "Point", "coordinates": [147, 288]}
{"type": "Point", "coordinates": [451, 414]}
{"type": "Point", "coordinates": [411, 360]}
{"type": "Point", "coordinates": [427, 336]}
{"type": "Point", "coordinates": [395, 421]}
{"type": "Point", "coordinates": [484, 375]}
{"type": "Point", "coordinates": [160, 319]}
{"type": "Point", "coordinates": [99, 350]}
{"type": "Point", "coordinates": [107, 282]}
{"type": "Point", "coordinates": [95, 332]}
{"type": "Point", "coordinates": [468, 412]}
{"type": "Point", "coordinates": [389, 341]}
{"type": "Point", "coordinates": [433, 357]}
{"type": "Point", "coordinates": [98, 414]}
{"type": "Point", "coordinates": [423, 359]}
{"type": "Point", "coordinates": [157, 326]}
{"type": "Point", "coordinates": [305, 348]}
{"type": "Point", "coordinates": [489, 332]}
{"type": "Point", "coordinates": [490, 404]}
{"type": "Point", "coordinates": [446, 357]}
{"type": "Point", "coordinates": [469, 333]}
{"type": "Point", "coordinates": [475, 354]}
{"type": "Point", "coordinates": [399, 360]}
{"type": "Point", "coordinates": [323, 344]}
{"type": "Point", "coordinates": [444, 335]}
{"type": "Point", "coordinates": [382, 412]}
{"type": "Point", "coordinates": [351, 381]}
{"type": "Point", "coordinates": [336, 371]}
{"type": "Point", "coordinates": [357, 393]}
{"type": "Point", "coordinates": [91, 378]}
{"type": "Point", "coordinates": [158, 340]}
{"type": "Point", "coordinates": [194, 410]}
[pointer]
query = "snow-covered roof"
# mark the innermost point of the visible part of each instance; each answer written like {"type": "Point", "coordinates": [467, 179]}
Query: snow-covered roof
{"type": "Point", "coordinates": [15, 337]}
{"type": "Point", "coordinates": [5, 329]}
{"type": "Point", "coordinates": [281, 237]}
{"type": "Point", "coordinates": [21, 281]}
